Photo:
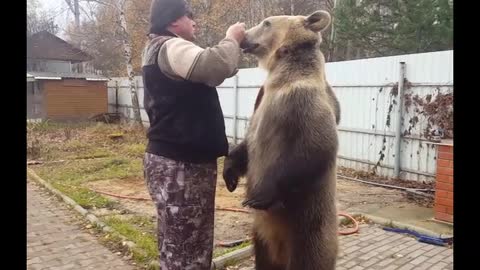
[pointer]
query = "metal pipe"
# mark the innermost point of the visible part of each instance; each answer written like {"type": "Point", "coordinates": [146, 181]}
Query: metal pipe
{"type": "Point", "coordinates": [383, 185]}
{"type": "Point", "coordinates": [379, 133]}
{"type": "Point", "coordinates": [238, 117]}
{"type": "Point", "coordinates": [366, 131]}
{"type": "Point", "coordinates": [235, 109]}
{"type": "Point", "coordinates": [398, 131]}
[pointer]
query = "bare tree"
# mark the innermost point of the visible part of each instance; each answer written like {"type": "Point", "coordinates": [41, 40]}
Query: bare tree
{"type": "Point", "coordinates": [39, 21]}
{"type": "Point", "coordinates": [75, 10]}
{"type": "Point", "coordinates": [119, 7]}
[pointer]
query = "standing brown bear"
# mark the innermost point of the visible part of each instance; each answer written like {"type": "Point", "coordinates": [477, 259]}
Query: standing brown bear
{"type": "Point", "coordinates": [289, 154]}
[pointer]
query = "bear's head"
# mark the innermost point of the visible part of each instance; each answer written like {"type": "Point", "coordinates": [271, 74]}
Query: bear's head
{"type": "Point", "coordinates": [278, 36]}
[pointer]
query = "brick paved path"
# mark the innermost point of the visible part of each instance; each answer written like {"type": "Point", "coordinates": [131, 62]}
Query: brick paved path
{"type": "Point", "coordinates": [54, 242]}
{"type": "Point", "coordinates": [374, 248]}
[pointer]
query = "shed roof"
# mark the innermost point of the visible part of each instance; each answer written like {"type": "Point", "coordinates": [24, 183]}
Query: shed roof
{"type": "Point", "coordinates": [64, 75]}
{"type": "Point", "coordinates": [44, 45]}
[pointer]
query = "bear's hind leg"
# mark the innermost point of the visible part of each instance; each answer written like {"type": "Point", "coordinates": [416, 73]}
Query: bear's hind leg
{"type": "Point", "coordinates": [263, 260]}
{"type": "Point", "coordinates": [314, 254]}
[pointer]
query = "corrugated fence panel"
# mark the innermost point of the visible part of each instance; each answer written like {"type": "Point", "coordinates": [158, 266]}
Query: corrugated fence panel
{"type": "Point", "coordinates": [369, 108]}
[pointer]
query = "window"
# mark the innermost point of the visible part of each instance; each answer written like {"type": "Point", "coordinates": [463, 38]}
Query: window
{"type": "Point", "coordinates": [77, 67]}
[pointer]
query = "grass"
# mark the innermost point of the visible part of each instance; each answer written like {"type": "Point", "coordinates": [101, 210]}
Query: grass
{"type": "Point", "coordinates": [134, 150]}
{"type": "Point", "coordinates": [138, 229]}
{"type": "Point", "coordinates": [346, 221]}
{"type": "Point", "coordinates": [82, 171]}
{"type": "Point", "coordinates": [144, 222]}
{"type": "Point", "coordinates": [146, 242]}
{"type": "Point", "coordinates": [85, 197]}
{"type": "Point", "coordinates": [50, 140]}
{"type": "Point", "coordinates": [71, 176]}
{"type": "Point", "coordinates": [52, 126]}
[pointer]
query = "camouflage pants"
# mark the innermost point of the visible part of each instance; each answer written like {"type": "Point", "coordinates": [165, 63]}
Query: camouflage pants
{"type": "Point", "coordinates": [184, 195]}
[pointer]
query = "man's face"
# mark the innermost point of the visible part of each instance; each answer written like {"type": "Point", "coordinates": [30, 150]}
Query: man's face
{"type": "Point", "coordinates": [185, 27]}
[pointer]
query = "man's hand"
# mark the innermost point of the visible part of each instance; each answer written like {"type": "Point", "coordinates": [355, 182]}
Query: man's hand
{"type": "Point", "coordinates": [236, 32]}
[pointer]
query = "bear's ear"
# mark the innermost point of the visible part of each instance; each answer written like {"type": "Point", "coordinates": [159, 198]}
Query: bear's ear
{"type": "Point", "coordinates": [318, 21]}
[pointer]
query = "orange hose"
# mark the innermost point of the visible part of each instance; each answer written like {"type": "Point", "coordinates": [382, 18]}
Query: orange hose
{"type": "Point", "coordinates": [122, 196]}
{"type": "Point", "coordinates": [352, 231]}
{"type": "Point", "coordinates": [233, 209]}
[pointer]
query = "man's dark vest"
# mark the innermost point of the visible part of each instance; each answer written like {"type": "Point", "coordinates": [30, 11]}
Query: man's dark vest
{"type": "Point", "coordinates": [186, 120]}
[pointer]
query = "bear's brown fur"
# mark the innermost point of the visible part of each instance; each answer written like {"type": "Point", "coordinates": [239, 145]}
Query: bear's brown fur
{"type": "Point", "coordinates": [289, 154]}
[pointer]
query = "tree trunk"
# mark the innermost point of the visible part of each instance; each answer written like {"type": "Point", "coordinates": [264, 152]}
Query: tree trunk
{"type": "Point", "coordinates": [127, 47]}
{"type": "Point", "coordinates": [331, 41]}
{"type": "Point", "coordinates": [349, 50]}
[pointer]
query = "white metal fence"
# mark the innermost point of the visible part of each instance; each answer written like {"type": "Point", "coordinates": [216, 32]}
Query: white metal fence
{"type": "Point", "coordinates": [372, 126]}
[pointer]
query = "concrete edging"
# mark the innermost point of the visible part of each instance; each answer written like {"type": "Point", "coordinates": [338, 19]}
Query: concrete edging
{"type": "Point", "coordinates": [82, 211]}
{"type": "Point", "coordinates": [236, 255]}
{"type": "Point", "coordinates": [396, 224]}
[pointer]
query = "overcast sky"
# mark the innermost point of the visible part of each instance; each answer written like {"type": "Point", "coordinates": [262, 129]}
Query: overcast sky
{"type": "Point", "coordinates": [60, 10]}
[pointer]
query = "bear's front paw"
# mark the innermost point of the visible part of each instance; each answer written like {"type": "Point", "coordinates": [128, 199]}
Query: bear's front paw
{"type": "Point", "coordinates": [260, 201]}
{"type": "Point", "coordinates": [230, 176]}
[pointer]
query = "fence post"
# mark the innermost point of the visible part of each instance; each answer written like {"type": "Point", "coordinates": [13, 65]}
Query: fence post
{"type": "Point", "coordinates": [133, 107]}
{"type": "Point", "coordinates": [116, 96]}
{"type": "Point", "coordinates": [398, 131]}
{"type": "Point", "coordinates": [235, 109]}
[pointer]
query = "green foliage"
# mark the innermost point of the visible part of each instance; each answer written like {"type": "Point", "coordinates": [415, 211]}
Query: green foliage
{"type": "Point", "coordinates": [372, 28]}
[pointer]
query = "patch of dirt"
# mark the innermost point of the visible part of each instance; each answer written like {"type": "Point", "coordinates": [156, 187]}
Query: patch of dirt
{"type": "Point", "coordinates": [420, 200]}
{"type": "Point", "coordinates": [425, 200]}
{"type": "Point", "coordinates": [354, 196]}
{"type": "Point", "coordinates": [225, 198]}
{"type": "Point", "coordinates": [130, 187]}
{"type": "Point", "coordinates": [229, 225]}
{"type": "Point", "coordinates": [351, 197]}
{"type": "Point", "coordinates": [358, 197]}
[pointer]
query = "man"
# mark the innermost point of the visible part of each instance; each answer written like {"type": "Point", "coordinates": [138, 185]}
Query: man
{"type": "Point", "coordinates": [187, 131]}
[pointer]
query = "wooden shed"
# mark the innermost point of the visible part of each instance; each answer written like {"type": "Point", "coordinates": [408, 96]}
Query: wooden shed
{"type": "Point", "coordinates": [65, 97]}
{"type": "Point", "coordinates": [60, 83]}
